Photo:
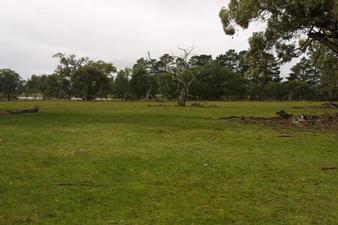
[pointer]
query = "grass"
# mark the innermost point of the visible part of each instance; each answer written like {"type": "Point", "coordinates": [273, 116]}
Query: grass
{"type": "Point", "coordinates": [127, 163]}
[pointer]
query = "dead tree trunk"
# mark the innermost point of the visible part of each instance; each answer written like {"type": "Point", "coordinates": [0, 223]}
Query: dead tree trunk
{"type": "Point", "coordinates": [182, 97]}
{"type": "Point", "coordinates": [148, 93]}
{"type": "Point", "coordinates": [182, 76]}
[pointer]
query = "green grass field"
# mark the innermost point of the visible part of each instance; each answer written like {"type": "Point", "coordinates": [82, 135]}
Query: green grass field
{"type": "Point", "coordinates": [127, 163]}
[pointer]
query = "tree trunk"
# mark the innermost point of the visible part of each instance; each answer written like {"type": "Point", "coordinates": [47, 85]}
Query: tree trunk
{"type": "Point", "coordinates": [148, 93]}
{"type": "Point", "coordinates": [182, 97]}
{"type": "Point", "coordinates": [9, 97]}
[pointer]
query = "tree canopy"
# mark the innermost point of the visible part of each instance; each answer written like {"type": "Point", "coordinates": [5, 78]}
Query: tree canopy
{"type": "Point", "coordinates": [253, 74]}
{"type": "Point", "coordinates": [10, 83]}
{"type": "Point", "coordinates": [287, 21]}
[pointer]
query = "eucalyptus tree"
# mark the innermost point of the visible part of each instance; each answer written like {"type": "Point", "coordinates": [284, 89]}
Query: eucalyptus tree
{"type": "Point", "coordinates": [33, 85]}
{"type": "Point", "coordinates": [287, 21]}
{"type": "Point", "coordinates": [166, 85]}
{"type": "Point", "coordinates": [141, 82]}
{"type": "Point", "coordinates": [53, 82]}
{"type": "Point", "coordinates": [121, 83]}
{"type": "Point", "coordinates": [10, 83]}
{"type": "Point", "coordinates": [182, 73]}
{"type": "Point", "coordinates": [68, 64]}
{"type": "Point", "coordinates": [78, 76]}
{"type": "Point", "coordinates": [88, 81]}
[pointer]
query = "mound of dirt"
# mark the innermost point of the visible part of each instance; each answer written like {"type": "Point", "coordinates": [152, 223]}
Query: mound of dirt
{"type": "Point", "coordinates": [323, 121]}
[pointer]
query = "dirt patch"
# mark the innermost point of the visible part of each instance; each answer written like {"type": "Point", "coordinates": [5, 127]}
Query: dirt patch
{"type": "Point", "coordinates": [323, 121]}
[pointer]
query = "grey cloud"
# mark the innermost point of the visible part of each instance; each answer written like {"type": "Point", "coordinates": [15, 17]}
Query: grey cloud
{"type": "Point", "coordinates": [119, 31]}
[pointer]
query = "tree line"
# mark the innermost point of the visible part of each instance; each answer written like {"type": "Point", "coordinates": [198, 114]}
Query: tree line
{"type": "Point", "coordinates": [251, 74]}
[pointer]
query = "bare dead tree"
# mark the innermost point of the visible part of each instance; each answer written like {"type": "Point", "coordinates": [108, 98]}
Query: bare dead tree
{"type": "Point", "coordinates": [182, 75]}
{"type": "Point", "coordinates": [151, 62]}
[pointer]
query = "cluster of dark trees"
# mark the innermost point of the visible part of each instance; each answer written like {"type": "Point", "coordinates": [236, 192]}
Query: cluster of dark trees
{"type": "Point", "coordinates": [230, 76]}
{"type": "Point", "coordinates": [292, 29]}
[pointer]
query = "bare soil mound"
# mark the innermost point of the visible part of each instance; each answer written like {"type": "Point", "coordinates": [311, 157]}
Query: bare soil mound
{"type": "Point", "coordinates": [323, 121]}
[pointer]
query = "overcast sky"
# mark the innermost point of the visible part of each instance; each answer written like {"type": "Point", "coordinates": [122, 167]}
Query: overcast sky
{"type": "Point", "coordinates": [118, 31]}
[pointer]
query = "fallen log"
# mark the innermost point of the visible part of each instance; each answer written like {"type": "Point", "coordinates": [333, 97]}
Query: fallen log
{"type": "Point", "coordinates": [35, 110]}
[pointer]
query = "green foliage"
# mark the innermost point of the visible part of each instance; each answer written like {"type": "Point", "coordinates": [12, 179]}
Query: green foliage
{"type": "Point", "coordinates": [167, 86]}
{"type": "Point", "coordinates": [53, 86]}
{"type": "Point", "coordinates": [299, 90]}
{"type": "Point", "coordinates": [82, 77]}
{"type": "Point", "coordinates": [230, 60]}
{"type": "Point", "coordinates": [213, 81]}
{"type": "Point", "coordinates": [121, 84]}
{"type": "Point", "coordinates": [199, 60]}
{"type": "Point", "coordinates": [139, 82]}
{"type": "Point", "coordinates": [263, 66]}
{"type": "Point", "coordinates": [305, 71]}
{"type": "Point", "coordinates": [252, 74]}
{"type": "Point", "coordinates": [286, 21]}
{"type": "Point", "coordinates": [68, 64]}
{"type": "Point", "coordinates": [89, 82]}
{"type": "Point", "coordinates": [327, 62]}
{"type": "Point", "coordinates": [10, 83]}
{"type": "Point", "coordinates": [164, 64]}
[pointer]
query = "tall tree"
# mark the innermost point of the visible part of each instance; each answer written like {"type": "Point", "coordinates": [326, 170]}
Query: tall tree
{"type": "Point", "coordinates": [327, 63]}
{"type": "Point", "coordinates": [105, 67]}
{"type": "Point", "coordinates": [263, 66]}
{"type": "Point", "coordinates": [213, 82]}
{"type": "Point", "coordinates": [183, 75]}
{"type": "Point", "coordinates": [10, 83]}
{"type": "Point", "coordinates": [286, 21]}
{"type": "Point", "coordinates": [88, 81]}
{"type": "Point", "coordinates": [139, 82]}
{"type": "Point", "coordinates": [167, 86]}
{"type": "Point", "coordinates": [33, 85]}
{"type": "Point", "coordinates": [53, 85]}
{"type": "Point", "coordinates": [121, 84]}
{"type": "Point", "coordinates": [230, 60]}
{"type": "Point", "coordinates": [199, 60]}
{"type": "Point", "coordinates": [68, 64]}
{"type": "Point", "coordinates": [164, 63]}
{"type": "Point", "coordinates": [305, 71]}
